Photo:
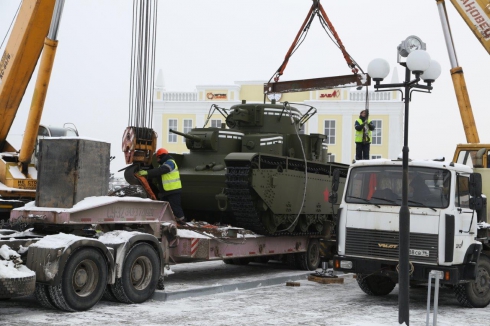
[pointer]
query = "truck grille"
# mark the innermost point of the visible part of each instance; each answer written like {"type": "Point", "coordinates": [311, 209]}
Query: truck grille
{"type": "Point", "coordinates": [384, 245]}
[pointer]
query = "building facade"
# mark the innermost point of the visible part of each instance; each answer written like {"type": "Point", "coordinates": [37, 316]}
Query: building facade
{"type": "Point", "coordinates": [337, 111]}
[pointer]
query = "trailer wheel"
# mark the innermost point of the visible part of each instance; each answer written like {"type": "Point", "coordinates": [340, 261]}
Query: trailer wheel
{"type": "Point", "coordinates": [83, 281]}
{"type": "Point", "coordinates": [108, 295]}
{"type": "Point", "coordinates": [228, 261]}
{"type": "Point", "coordinates": [310, 260]}
{"type": "Point", "coordinates": [141, 271]}
{"type": "Point", "coordinates": [17, 286]}
{"type": "Point", "coordinates": [43, 297]}
{"type": "Point", "coordinates": [376, 285]}
{"type": "Point", "coordinates": [476, 294]}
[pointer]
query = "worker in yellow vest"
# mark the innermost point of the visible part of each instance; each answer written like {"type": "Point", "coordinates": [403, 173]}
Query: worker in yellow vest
{"type": "Point", "coordinates": [364, 128]}
{"type": "Point", "coordinates": [167, 179]}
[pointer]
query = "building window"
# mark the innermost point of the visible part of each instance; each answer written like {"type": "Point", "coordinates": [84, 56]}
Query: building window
{"type": "Point", "coordinates": [172, 124]}
{"type": "Point", "coordinates": [375, 156]}
{"type": "Point", "coordinates": [187, 127]}
{"type": "Point", "coordinates": [216, 123]}
{"type": "Point", "coordinates": [377, 133]}
{"type": "Point", "coordinates": [330, 131]}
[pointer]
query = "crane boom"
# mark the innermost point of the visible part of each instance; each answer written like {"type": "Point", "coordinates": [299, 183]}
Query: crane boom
{"type": "Point", "coordinates": [20, 58]}
{"type": "Point", "coordinates": [459, 82]}
{"type": "Point", "coordinates": [476, 14]}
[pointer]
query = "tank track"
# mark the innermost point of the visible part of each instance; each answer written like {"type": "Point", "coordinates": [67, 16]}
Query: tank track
{"type": "Point", "coordinates": [241, 198]}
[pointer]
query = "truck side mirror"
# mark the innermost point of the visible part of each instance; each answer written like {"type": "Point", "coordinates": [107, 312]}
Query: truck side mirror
{"type": "Point", "coordinates": [335, 180]}
{"type": "Point", "coordinates": [475, 185]}
{"type": "Point", "coordinates": [333, 197]}
{"type": "Point", "coordinates": [476, 200]}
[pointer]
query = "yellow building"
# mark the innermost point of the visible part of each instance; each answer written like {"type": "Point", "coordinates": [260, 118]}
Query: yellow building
{"type": "Point", "coordinates": [337, 111]}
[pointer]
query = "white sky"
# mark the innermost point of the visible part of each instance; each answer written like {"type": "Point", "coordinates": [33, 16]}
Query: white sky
{"type": "Point", "coordinates": [222, 41]}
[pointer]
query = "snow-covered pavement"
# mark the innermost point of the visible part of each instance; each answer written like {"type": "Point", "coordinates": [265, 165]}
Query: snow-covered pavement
{"type": "Point", "coordinates": [310, 303]}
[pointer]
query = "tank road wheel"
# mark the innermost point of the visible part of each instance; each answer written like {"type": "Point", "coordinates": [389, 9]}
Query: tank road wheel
{"type": "Point", "coordinates": [141, 270]}
{"type": "Point", "coordinates": [302, 224]}
{"type": "Point", "coordinates": [290, 223]}
{"type": "Point", "coordinates": [310, 260]}
{"type": "Point", "coordinates": [476, 294]}
{"type": "Point", "coordinates": [375, 284]}
{"type": "Point", "coordinates": [83, 282]}
{"type": "Point", "coordinates": [269, 222]}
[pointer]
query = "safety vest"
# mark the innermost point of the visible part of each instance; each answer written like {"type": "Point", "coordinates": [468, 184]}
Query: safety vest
{"type": "Point", "coordinates": [171, 180]}
{"type": "Point", "coordinates": [359, 134]}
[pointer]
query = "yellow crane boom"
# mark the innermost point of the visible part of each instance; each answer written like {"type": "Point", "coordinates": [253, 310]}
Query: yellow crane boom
{"type": "Point", "coordinates": [19, 60]}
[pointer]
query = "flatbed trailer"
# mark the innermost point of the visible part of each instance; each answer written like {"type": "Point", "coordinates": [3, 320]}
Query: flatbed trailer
{"type": "Point", "coordinates": [118, 247]}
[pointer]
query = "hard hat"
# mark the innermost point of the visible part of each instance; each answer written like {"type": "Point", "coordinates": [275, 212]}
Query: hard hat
{"type": "Point", "coordinates": [161, 151]}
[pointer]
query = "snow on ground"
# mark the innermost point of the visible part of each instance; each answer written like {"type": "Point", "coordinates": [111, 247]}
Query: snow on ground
{"type": "Point", "coordinates": [310, 303]}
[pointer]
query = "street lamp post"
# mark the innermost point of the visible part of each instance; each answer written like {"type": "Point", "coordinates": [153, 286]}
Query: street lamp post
{"type": "Point", "coordinates": [419, 63]}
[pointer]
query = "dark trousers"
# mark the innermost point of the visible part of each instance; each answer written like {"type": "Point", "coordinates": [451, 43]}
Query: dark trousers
{"type": "Point", "coordinates": [362, 151]}
{"type": "Point", "coordinates": [174, 201]}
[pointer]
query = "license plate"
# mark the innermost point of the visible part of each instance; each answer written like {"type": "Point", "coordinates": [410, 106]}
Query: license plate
{"type": "Point", "coordinates": [419, 253]}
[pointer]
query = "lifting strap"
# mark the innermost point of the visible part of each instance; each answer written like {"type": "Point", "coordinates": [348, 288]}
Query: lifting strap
{"type": "Point", "coordinates": [316, 10]}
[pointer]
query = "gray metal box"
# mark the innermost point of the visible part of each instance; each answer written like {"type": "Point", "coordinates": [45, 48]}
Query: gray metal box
{"type": "Point", "coordinates": [71, 169]}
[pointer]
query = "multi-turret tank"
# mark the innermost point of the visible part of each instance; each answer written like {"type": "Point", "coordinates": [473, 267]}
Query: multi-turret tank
{"type": "Point", "coordinates": [259, 171]}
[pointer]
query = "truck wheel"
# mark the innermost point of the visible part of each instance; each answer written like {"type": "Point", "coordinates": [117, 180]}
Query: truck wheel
{"type": "Point", "coordinates": [476, 294]}
{"type": "Point", "coordinates": [83, 282]}
{"type": "Point", "coordinates": [375, 284]}
{"type": "Point", "coordinates": [17, 286]}
{"type": "Point", "coordinates": [141, 271]}
{"type": "Point", "coordinates": [43, 297]}
{"type": "Point", "coordinates": [228, 261]}
{"type": "Point", "coordinates": [310, 260]}
{"type": "Point", "coordinates": [108, 295]}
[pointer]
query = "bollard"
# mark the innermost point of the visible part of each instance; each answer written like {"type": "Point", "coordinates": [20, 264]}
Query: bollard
{"type": "Point", "coordinates": [437, 275]}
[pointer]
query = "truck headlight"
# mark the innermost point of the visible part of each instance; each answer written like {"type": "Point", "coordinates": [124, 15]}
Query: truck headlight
{"type": "Point", "coordinates": [345, 264]}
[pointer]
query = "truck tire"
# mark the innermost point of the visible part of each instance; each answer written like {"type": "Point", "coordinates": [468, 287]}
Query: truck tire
{"type": "Point", "coordinates": [476, 294]}
{"type": "Point", "coordinates": [310, 260]}
{"type": "Point", "coordinates": [83, 281]}
{"type": "Point", "coordinates": [376, 285]}
{"type": "Point", "coordinates": [43, 297]}
{"type": "Point", "coordinates": [108, 295]}
{"type": "Point", "coordinates": [228, 261]}
{"type": "Point", "coordinates": [140, 274]}
{"type": "Point", "coordinates": [17, 286]}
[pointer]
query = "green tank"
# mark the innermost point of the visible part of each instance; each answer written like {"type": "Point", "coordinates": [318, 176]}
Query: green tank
{"type": "Point", "coordinates": [261, 173]}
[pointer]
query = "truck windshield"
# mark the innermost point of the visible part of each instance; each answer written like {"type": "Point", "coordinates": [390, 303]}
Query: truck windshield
{"type": "Point", "coordinates": [382, 185]}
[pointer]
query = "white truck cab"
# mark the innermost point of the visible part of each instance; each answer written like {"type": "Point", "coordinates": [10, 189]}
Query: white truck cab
{"type": "Point", "coordinates": [446, 214]}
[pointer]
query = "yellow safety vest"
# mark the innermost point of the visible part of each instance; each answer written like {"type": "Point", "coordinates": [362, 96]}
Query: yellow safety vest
{"type": "Point", "coordinates": [171, 180]}
{"type": "Point", "coordinates": [359, 134]}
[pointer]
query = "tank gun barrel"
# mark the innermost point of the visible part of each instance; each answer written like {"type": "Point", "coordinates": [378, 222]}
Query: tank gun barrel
{"type": "Point", "coordinates": [187, 136]}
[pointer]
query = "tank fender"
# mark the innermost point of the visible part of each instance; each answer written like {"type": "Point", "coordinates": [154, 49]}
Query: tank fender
{"type": "Point", "coordinates": [48, 262]}
{"type": "Point", "coordinates": [122, 248]}
{"type": "Point", "coordinates": [239, 156]}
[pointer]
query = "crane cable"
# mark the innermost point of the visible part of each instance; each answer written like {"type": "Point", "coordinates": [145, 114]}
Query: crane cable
{"type": "Point", "coordinates": [11, 23]}
{"type": "Point", "coordinates": [141, 86]}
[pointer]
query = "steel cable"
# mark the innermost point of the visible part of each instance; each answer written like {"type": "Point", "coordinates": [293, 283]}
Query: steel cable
{"type": "Point", "coordinates": [142, 72]}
